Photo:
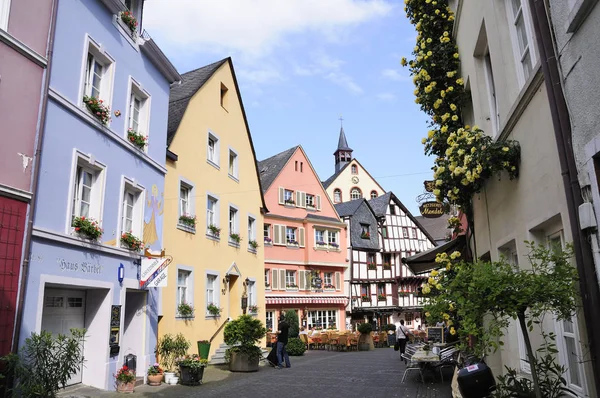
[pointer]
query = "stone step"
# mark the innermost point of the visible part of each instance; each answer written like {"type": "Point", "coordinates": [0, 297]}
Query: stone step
{"type": "Point", "coordinates": [139, 381]}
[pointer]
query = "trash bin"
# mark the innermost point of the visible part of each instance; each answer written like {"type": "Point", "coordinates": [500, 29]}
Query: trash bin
{"type": "Point", "coordinates": [475, 381]}
{"type": "Point", "coordinates": [203, 349]}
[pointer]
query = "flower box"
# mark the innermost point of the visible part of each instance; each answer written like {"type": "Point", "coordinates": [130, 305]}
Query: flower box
{"type": "Point", "coordinates": [320, 243]}
{"type": "Point", "coordinates": [371, 266]}
{"type": "Point", "coordinates": [98, 109]}
{"type": "Point", "coordinates": [329, 286]}
{"type": "Point", "coordinates": [137, 139]}
{"type": "Point", "coordinates": [253, 244]}
{"type": "Point", "coordinates": [365, 235]}
{"type": "Point", "coordinates": [131, 242]}
{"type": "Point", "coordinates": [213, 310]}
{"type": "Point", "coordinates": [268, 240]}
{"type": "Point", "coordinates": [215, 231]}
{"type": "Point", "coordinates": [129, 20]}
{"type": "Point", "coordinates": [253, 309]}
{"type": "Point", "coordinates": [185, 310]}
{"type": "Point", "coordinates": [381, 297]}
{"type": "Point", "coordinates": [289, 202]}
{"type": "Point", "coordinates": [365, 298]}
{"type": "Point", "coordinates": [235, 238]}
{"type": "Point", "coordinates": [188, 220]}
{"type": "Point", "coordinates": [387, 266]}
{"type": "Point", "coordinates": [292, 243]}
{"type": "Point", "coordinates": [87, 228]}
{"type": "Point", "coordinates": [334, 245]}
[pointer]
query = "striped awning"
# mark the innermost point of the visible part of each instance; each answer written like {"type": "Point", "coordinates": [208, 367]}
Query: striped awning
{"type": "Point", "coordinates": [307, 300]}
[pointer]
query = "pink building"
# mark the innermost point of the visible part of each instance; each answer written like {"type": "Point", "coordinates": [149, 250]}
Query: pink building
{"type": "Point", "coordinates": [305, 244]}
{"type": "Point", "coordinates": [24, 33]}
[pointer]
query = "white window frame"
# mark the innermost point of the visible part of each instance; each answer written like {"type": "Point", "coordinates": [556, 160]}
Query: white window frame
{"type": "Point", "coordinates": [374, 194]}
{"type": "Point", "coordinates": [291, 231]}
{"type": "Point", "coordinates": [337, 195]}
{"type": "Point", "coordinates": [189, 288]}
{"type": "Point", "coordinates": [217, 148]}
{"type": "Point", "coordinates": [352, 192]}
{"type": "Point", "coordinates": [128, 185]}
{"type": "Point", "coordinates": [251, 230]}
{"type": "Point", "coordinates": [492, 91]}
{"type": "Point", "coordinates": [137, 91]}
{"type": "Point", "coordinates": [215, 212]}
{"type": "Point", "coordinates": [4, 14]}
{"type": "Point", "coordinates": [233, 167]}
{"type": "Point", "coordinates": [290, 278]}
{"type": "Point", "coordinates": [215, 292]}
{"type": "Point", "coordinates": [320, 314]}
{"type": "Point", "coordinates": [251, 291]}
{"type": "Point", "coordinates": [98, 188]}
{"type": "Point", "coordinates": [288, 197]}
{"type": "Point", "coordinates": [332, 237]}
{"type": "Point", "coordinates": [326, 280]}
{"type": "Point", "coordinates": [354, 169]}
{"type": "Point", "coordinates": [323, 234]}
{"type": "Point", "coordinates": [529, 49]}
{"type": "Point", "coordinates": [311, 201]}
{"type": "Point", "coordinates": [267, 279]}
{"type": "Point", "coordinates": [233, 225]}
{"type": "Point", "coordinates": [189, 200]}
{"type": "Point", "coordinates": [270, 316]}
{"type": "Point", "coordinates": [107, 61]}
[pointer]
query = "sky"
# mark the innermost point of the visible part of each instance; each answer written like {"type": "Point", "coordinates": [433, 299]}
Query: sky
{"type": "Point", "coordinates": [303, 64]}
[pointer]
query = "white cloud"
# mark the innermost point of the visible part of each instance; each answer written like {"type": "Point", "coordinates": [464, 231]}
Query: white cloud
{"type": "Point", "coordinates": [345, 81]}
{"type": "Point", "coordinates": [253, 27]}
{"type": "Point", "coordinates": [393, 74]}
{"type": "Point", "coordinates": [386, 96]}
{"type": "Point", "coordinates": [330, 69]}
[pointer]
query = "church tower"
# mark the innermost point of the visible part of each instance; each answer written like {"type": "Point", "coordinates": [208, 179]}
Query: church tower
{"type": "Point", "coordinates": [343, 154]}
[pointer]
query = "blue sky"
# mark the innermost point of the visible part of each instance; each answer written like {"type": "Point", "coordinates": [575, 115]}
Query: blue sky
{"type": "Point", "coordinates": [303, 63]}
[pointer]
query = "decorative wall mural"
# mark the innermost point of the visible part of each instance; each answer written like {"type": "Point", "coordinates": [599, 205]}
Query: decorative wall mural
{"type": "Point", "coordinates": [154, 213]}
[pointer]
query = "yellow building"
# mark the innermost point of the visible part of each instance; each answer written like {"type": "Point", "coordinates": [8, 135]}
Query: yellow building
{"type": "Point", "coordinates": [212, 176]}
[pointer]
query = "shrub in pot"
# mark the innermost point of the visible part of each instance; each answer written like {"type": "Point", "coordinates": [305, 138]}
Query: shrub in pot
{"type": "Point", "coordinates": [291, 317]}
{"type": "Point", "coordinates": [365, 342]}
{"type": "Point", "coordinates": [191, 369]}
{"type": "Point", "coordinates": [242, 336]}
{"type": "Point", "coordinates": [295, 347]}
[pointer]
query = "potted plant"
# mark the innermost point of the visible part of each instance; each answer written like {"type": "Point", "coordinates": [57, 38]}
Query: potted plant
{"type": "Point", "coordinates": [214, 230]}
{"type": "Point", "coordinates": [253, 244]}
{"type": "Point", "coordinates": [131, 242]}
{"type": "Point", "coordinates": [235, 238]}
{"type": "Point", "coordinates": [125, 379]}
{"type": "Point", "coordinates": [155, 375]}
{"type": "Point", "coordinates": [129, 20]}
{"type": "Point", "coordinates": [365, 297]}
{"type": "Point", "coordinates": [242, 336]}
{"type": "Point", "coordinates": [168, 348]}
{"type": "Point", "coordinates": [185, 310]}
{"type": "Point", "coordinates": [87, 227]}
{"type": "Point", "coordinates": [98, 109]}
{"type": "Point", "coordinates": [371, 266]}
{"type": "Point", "coordinates": [188, 220]}
{"type": "Point", "coordinates": [365, 341]}
{"type": "Point", "coordinates": [204, 348]}
{"type": "Point", "coordinates": [381, 297]}
{"type": "Point", "coordinates": [137, 139]}
{"type": "Point", "coordinates": [191, 369]}
{"type": "Point", "coordinates": [426, 348]}
{"type": "Point", "coordinates": [213, 309]}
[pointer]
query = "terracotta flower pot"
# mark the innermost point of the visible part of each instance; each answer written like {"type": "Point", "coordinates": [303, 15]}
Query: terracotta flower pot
{"type": "Point", "coordinates": [155, 380]}
{"type": "Point", "coordinates": [125, 387]}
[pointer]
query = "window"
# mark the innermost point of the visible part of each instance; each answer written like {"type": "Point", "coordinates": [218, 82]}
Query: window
{"type": "Point", "coordinates": [213, 146]}
{"type": "Point", "coordinates": [384, 232]}
{"type": "Point", "coordinates": [337, 196]}
{"type": "Point", "coordinates": [138, 112]}
{"type": "Point", "coordinates": [328, 280]}
{"type": "Point", "coordinates": [355, 193]}
{"type": "Point", "coordinates": [365, 232]}
{"type": "Point", "coordinates": [319, 237]}
{"type": "Point", "coordinates": [332, 238]}
{"type": "Point", "coordinates": [393, 210]}
{"type": "Point", "coordinates": [251, 232]}
{"type": "Point", "coordinates": [233, 164]}
{"type": "Point", "coordinates": [290, 279]}
{"type": "Point", "coordinates": [212, 208]}
{"type": "Point", "coordinates": [413, 233]}
{"type": "Point", "coordinates": [224, 96]}
{"type": "Point", "coordinates": [373, 194]}
{"type": "Point", "coordinates": [251, 293]}
{"type": "Point", "coordinates": [371, 258]}
{"type": "Point", "coordinates": [408, 318]}
{"type": "Point", "coordinates": [381, 289]}
{"type": "Point", "coordinates": [296, 165]}
{"type": "Point", "coordinates": [185, 195]}
{"type": "Point", "coordinates": [132, 209]}
{"type": "Point", "coordinates": [88, 187]}
{"type": "Point", "coordinates": [387, 258]}
{"type": "Point", "coordinates": [322, 319]}
{"type": "Point", "coordinates": [212, 296]}
{"type": "Point", "coordinates": [354, 169]}
{"type": "Point", "coordinates": [290, 235]}
{"type": "Point", "coordinates": [301, 166]}
{"type": "Point", "coordinates": [267, 233]}
{"type": "Point", "coordinates": [4, 11]}
{"type": "Point", "coordinates": [233, 224]}
{"type": "Point", "coordinates": [128, 203]}
{"type": "Point", "coordinates": [491, 86]}
{"type": "Point", "coordinates": [93, 77]}
{"type": "Point", "coordinates": [182, 287]}
{"type": "Point", "coordinates": [310, 201]}
{"type": "Point", "coordinates": [405, 232]}
{"type": "Point", "coordinates": [268, 279]}
{"type": "Point", "coordinates": [522, 37]}
{"type": "Point", "coordinates": [288, 197]}
{"type": "Point", "coordinates": [97, 73]}
{"type": "Point", "coordinates": [365, 289]}
{"type": "Point", "coordinates": [269, 320]}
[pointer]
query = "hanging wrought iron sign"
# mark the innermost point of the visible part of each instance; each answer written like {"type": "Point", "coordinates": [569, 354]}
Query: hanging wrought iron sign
{"type": "Point", "coordinates": [432, 209]}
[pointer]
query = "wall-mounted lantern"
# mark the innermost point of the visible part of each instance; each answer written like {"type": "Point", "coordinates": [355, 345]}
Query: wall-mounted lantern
{"type": "Point", "coordinates": [121, 273]}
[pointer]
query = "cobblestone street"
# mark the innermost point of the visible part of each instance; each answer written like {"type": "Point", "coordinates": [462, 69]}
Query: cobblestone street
{"type": "Point", "coordinates": [316, 374]}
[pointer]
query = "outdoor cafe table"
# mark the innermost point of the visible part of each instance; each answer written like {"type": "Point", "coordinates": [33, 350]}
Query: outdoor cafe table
{"type": "Point", "coordinates": [425, 357]}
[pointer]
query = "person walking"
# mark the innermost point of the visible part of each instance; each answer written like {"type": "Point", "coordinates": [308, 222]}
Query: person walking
{"type": "Point", "coordinates": [282, 340]}
{"type": "Point", "coordinates": [402, 334]}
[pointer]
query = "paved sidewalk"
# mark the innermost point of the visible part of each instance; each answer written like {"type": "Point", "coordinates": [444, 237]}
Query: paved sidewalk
{"type": "Point", "coordinates": [316, 374]}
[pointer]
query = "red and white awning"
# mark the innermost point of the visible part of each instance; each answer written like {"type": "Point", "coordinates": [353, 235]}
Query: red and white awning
{"type": "Point", "coordinates": [307, 300]}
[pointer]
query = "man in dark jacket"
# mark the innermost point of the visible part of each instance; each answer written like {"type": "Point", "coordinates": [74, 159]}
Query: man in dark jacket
{"type": "Point", "coordinates": [282, 340]}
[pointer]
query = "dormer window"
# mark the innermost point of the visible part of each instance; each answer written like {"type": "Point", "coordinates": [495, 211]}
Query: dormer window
{"type": "Point", "coordinates": [365, 232]}
{"type": "Point", "coordinates": [354, 169]}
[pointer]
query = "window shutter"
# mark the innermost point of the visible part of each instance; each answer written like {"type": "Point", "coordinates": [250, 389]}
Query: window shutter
{"type": "Point", "coordinates": [302, 282]}
{"type": "Point", "coordinates": [298, 199]}
{"type": "Point", "coordinates": [274, 279]}
{"type": "Point", "coordinates": [282, 279]}
{"type": "Point", "coordinates": [338, 282]}
{"type": "Point", "coordinates": [303, 199]}
{"type": "Point", "coordinates": [301, 237]}
{"type": "Point", "coordinates": [318, 199]}
{"type": "Point", "coordinates": [276, 235]}
{"type": "Point", "coordinates": [282, 234]}
{"type": "Point", "coordinates": [281, 195]}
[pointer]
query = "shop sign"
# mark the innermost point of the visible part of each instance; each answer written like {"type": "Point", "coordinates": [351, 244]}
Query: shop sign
{"type": "Point", "coordinates": [432, 209]}
{"type": "Point", "coordinates": [83, 267]}
{"type": "Point", "coordinates": [154, 272]}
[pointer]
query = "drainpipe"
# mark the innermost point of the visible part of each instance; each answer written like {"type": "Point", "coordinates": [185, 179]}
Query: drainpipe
{"type": "Point", "coordinates": [590, 292]}
{"type": "Point", "coordinates": [35, 179]}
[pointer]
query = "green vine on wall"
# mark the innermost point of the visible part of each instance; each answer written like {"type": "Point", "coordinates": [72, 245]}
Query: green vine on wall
{"type": "Point", "coordinates": [465, 156]}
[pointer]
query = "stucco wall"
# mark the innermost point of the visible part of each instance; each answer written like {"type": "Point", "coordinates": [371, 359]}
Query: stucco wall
{"type": "Point", "coordinates": [29, 21]}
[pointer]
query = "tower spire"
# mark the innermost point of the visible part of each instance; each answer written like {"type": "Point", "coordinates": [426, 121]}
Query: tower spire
{"type": "Point", "coordinates": [343, 154]}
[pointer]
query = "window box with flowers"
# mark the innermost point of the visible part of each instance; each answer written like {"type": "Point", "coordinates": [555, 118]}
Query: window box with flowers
{"type": "Point", "coordinates": [381, 297]}
{"type": "Point", "coordinates": [187, 223]}
{"type": "Point", "coordinates": [252, 246]}
{"type": "Point", "coordinates": [291, 287]}
{"type": "Point", "coordinates": [253, 309]}
{"type": "Point", "coordinates": [137, 139]}
{"type": "Point", "coordinates": [334, 245]}
{"type": "Point", "coordinates": [328, 286]}
{"type": "Point", "coordinates": [213, 310]}
{"type": "Point", "coordinates": [268, 241]}
{"type": "Point", "coordinates": [291, 242]}
{"type": "Point", "coordinates": [125, 379]}
{"type": "Point", "coordinates": [234, 239]}
{"type": "Point", "coordinates": [387, 266]}
{"type": "Point", "coordinates": [129, 241]}
{"type": "Point", "coordinates": [365, 298]}
{"type": "Point", "coordinates": [155, 375]}
{"type": "Point", "coordinates": [213, 231]}
{"type": "Point", "coordinates": [97, 108]}
{"type": "Point", "coordinates": [365, 235]}
{"type": "Point", "coordinates": [289, 202]}
{"type": "Point", "coordinates": [87, 227]}
{"type": "Point", "coordinates": [371, 266]}
{"type": "Point", "coordinates": [320, 243]}
{"type": "Point", "coordinates": [130, 21]}
{"type": "Point", "coordinates": [185, 310]}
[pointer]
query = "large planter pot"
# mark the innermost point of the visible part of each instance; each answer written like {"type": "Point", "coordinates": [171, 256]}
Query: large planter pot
{"type": "Point", "coordinates": [168, 376]}
{"type": "Point", "coordinates": [203, 350]}
{"type": "Point", "coordinates": [155, 380]}
{"type": "Point", "coordinates": [189, 376]}
{"type": "Point", "coordinates": [240, 362]}
{"type": "Point", "coordinates": [125, 387]}
{"type": "Point", "coordinates": [365, 342]}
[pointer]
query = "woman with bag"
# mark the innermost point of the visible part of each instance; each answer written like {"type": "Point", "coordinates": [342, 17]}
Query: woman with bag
{"type": "Point", "coordinates": [402, 334]}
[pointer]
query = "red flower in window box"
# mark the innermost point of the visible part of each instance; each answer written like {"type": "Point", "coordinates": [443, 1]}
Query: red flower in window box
{"type": "Point", "coordinates": [129, 20]}
{"type": "Point", "coordinates": [131, 242]}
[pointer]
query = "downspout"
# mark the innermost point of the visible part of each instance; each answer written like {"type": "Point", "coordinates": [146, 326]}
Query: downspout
{"type": "Point", "coordinates": [35, 178]}
{"type": "Point", "coordinates": [590, 292]}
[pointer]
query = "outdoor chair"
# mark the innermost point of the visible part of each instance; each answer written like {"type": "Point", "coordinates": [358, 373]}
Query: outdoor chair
{"type": "Point", "coordinates": [334, 340]}
{"type": "Point", "coordinates": [353, 342]}
{"type": "Point", "coordinates": [325, 341]}
{"type": "Point", "coordinates": [306, 340]}
{"type": "Point", "coordinates": [382, 339]}
{"type": "Point", "coordinates": [411, 366]}
{"type": "Point", "coordinates": [343, 342]}
{"type": "Point", "coordinates": [447, 360]}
